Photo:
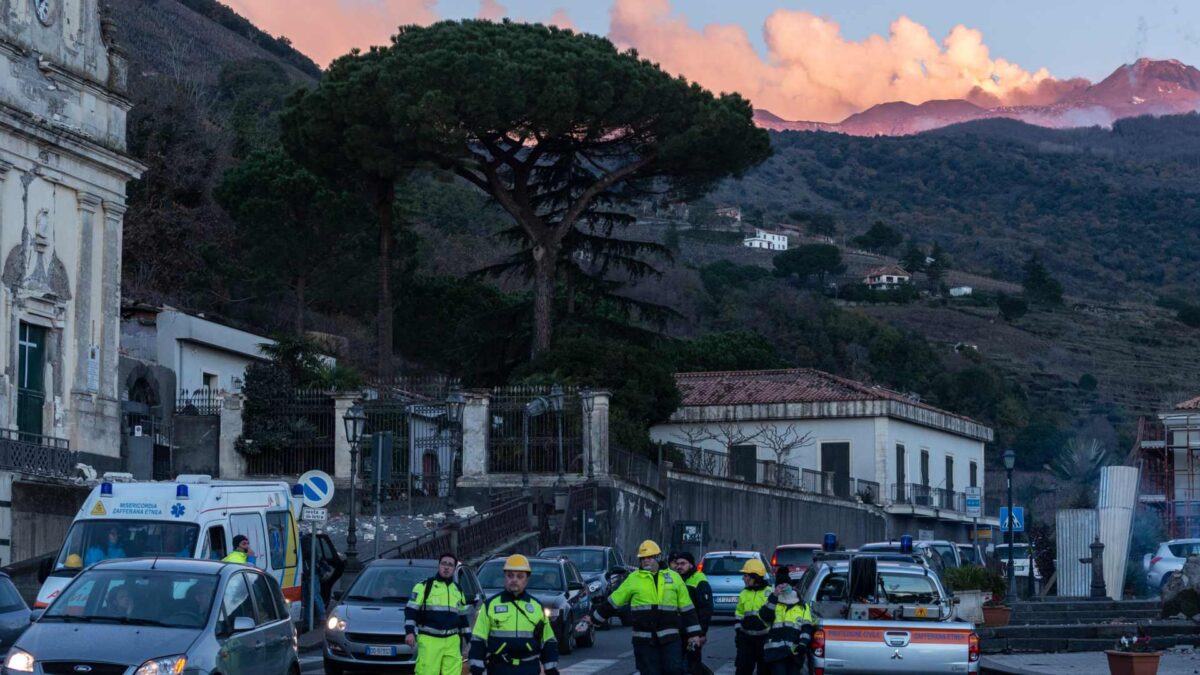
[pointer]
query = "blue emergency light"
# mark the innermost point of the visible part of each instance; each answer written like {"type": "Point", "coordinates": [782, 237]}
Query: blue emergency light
{"type": "Point", "coordinates": [906, 543]}
{"type": "Point", "coordinates": [830, 543]}
{"type": "Point", "coordinates": [106, 489]}
{"type": "Point", "coordinates": [181, 492]}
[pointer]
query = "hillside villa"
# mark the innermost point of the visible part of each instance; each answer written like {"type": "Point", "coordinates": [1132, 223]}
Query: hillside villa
{"type": "Point", "coordinates": [886, 278]}
{"type": "Point", "coordinates": [771, 241]}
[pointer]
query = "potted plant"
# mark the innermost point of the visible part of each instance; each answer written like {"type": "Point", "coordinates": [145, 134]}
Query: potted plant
{"type": "Point", "coordinates": [980, 594]}
{"type": "Point", "coordinates": [1133, 655]}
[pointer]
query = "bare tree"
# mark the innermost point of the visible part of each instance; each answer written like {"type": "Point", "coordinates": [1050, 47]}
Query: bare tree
{"type": "Point", "coordinates": [783, 441]}
{"type": "Point", "coordinates": [692, 437]}
{"type": "Point", "coordinates": [728, 434]}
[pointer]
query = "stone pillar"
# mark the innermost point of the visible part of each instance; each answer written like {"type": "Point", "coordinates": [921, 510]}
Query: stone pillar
{"type": "Point", "coordinates": [8, 398]}
{"type": "Point", "coordinates": [597, 428]}
{"type": "Point", "coordinates": [230, 462]}
{"type": "Point", "coordinates": [476, 427]}
{"type": "Point", "coordinates": [86, 332]}
{"type": "Point", "coordinates": [341, 444]}
{"type": "Point", "coordinates": [110, 305]}
{"type": "Point", "coordinates": [6, 520]}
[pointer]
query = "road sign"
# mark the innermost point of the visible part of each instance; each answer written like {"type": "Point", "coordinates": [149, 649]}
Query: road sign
{"type": "Point", "coordinates": [924, 535]}
{"type": "Point", "coordinates": [312, 515]}
{"type": "Point", "coordinates": [1017, 523]}
{"type": "Point", "coordinates": [318, 488]}
{"type": "Point", "coordinates": [974, 501]}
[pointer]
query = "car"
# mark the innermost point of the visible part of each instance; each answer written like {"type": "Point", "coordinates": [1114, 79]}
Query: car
{"type": "Point", "coordinates": [1021, 559]}
{"type": "Point", "coordinates": [972, 554]}
{"type": "Point", "coordinates": [326, 553]}
{"type": "Point", "coordinates": [603, 569]}
{"type": "Point", "coordinates": [365, 628]}
{"type": "Point", "coordinates": [14, 613]}
{"type": "Point", "coordinates": [724, 572]}
{"type": "Point", "coordinates": [161, 615]}
{"type": "Point", "coordinates": [930, 555]}
{"type": "Point", "coordinates": [558, 585]}
{"type": "Point", "coordinates": [796, 557]}
{"type": "Point", "coordinates": [1168, 559]}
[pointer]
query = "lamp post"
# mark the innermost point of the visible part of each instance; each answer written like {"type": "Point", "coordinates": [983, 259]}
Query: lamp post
{"type": "Point", "coordinates": [355, 422]}
{"type": "Point", "coordinates": [1010, 461]}
{"type": "Point", "coordinates": [588, 404]}
{"type": "Point", "coordinates": [455, 403]}
{"type": "Point", "coordinates": [556, 404]}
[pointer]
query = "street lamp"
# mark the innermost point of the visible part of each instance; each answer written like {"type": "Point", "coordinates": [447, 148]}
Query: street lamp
{"type": "Point", "coordinates": [355, 422]}
{"type": "Point", "coordinates": [1010, 461]}
{"type": "Point", "coordinates": [589, 404]}
{"type": "Point", "coordinates": [455, 403]}
{"type": "Point", "coordinates": [556, 404]}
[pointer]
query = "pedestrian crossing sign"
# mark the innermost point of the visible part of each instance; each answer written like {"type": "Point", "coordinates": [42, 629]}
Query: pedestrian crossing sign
{"type": "Point", "coordinates": [1014, 524]}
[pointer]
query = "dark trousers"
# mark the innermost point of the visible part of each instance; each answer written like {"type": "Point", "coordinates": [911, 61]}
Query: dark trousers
{"type": "Point", "coordinates": [498, 667]}
{"type": "Point", "coordinates": [693, 660]}
{"type": "Point", "coordinates": [660, 659]}
{"type": "Point", "coordinates": [750, 655]}
{"type": "Point", "coordinates": [788, 666]}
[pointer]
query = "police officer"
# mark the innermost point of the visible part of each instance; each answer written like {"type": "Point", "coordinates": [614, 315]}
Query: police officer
{"type": "Point", "coordinates": [661, 607]}
{"type": "Point", "coordinates": [435, 621]}
{"type": "Point", "coordinates": [786, 648]}
{"type": "Point", "coordinates": [511, 633]}
{"type": "Point", "coordinates": [753, 619]}
{"type": "Point", "coordinates": [700, 591]}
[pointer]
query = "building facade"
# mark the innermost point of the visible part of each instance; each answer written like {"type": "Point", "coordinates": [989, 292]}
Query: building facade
{"type": "Point", "coordinates": [768, 240]}
{"type": "Point", "coordinates": [886, 278]}
{"type": "Point", "coordinates": [63, 171]}
{"type": "Point", "coordinates": [837, 437]}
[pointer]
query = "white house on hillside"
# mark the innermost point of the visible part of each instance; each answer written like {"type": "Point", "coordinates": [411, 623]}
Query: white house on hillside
{"type": "Point", "coordinates": [817, 432]}
{"type": "Point", "coordinates": [768, 240]}
{"type": "Point", "coordinates": [886, 278]}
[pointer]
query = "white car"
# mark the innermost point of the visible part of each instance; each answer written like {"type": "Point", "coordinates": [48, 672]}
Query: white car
{"type": "Point", "coordinates": [1168, 559]}
{"type": "Point", "coordinates": [1021, 560]}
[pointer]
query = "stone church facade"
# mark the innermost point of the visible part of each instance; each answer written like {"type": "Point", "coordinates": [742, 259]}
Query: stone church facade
{"type": "Point", "coordinates": [63, 171]}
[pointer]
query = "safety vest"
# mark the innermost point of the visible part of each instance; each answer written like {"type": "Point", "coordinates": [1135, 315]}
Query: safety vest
{"type": "Point", "coordinates": [753, 617]}
{"type": "Point", "coordinates": [695, 578]}
{"type": "Point", "coordinates": [659, 603]}
{"type": "Point", "coordinates": [513, 629]}
{"type": "Point", "coordinates": [436, 607]}
{"type": "Point", "coordinates": [236, 557]}
{"type": "Point", "coordinates": [788, 632]}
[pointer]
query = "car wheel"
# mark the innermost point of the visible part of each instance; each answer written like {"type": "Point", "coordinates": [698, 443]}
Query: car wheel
{"type": "Point", "coordinates": [332, 668]}
{"type": "Point", "coordinates": [566, 644]}
{"type": "Point", "coordinates": [588, 639]}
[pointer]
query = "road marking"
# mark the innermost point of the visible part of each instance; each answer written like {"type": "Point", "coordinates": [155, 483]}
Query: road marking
{"type": "Point", "coordinates": [625, 655]}
{"type": "Point", "coordinates": [311, 659]}
{"type": "Point", "coordinates": [587, 667]}
{"type": "Point", "coordinates": [727, 669]}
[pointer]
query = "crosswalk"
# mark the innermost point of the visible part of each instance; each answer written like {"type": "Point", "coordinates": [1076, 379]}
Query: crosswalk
{"type": "Point", "coordinates": [590, 666]}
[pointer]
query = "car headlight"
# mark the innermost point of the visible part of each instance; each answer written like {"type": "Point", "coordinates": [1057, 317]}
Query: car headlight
{"type": "Point", "coordinates": [550, 612]}
{"type": "Point", "coordinates": [167, 665]}
{"type": "Point", "coordinates": [19, 661]}
{"type": "Point", "coordinates": [334, 623]}
{"type": "Point", "coordinates": [595, 587]}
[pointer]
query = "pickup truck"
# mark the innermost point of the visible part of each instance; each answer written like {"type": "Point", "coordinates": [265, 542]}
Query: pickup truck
{"type": "Point", "coordinates": [878, 616]}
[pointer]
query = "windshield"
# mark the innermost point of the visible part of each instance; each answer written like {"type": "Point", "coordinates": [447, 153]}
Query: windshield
{"type": "Point", "coordinates": [10, 599]}
{"type": "Point", "coordinates": [794, 556]}
{"type": "Point", "coordinates": [1185, 550]}
{"type": "Point", "coordinates": [1019, 550]}
{"type": "Point", "coordinates": [140, 597]}
{"type": "Point", "coordinates": [724, 565]}
{"type": "Point", "coordinates": [547, 576]}
{"type": "Point", "coordinates": [968, 554]}
{"type": "Point", "coordinates": [91, 541]}
{"type": "Point", "coordinates": [947, 553]}
{"type": "Point", "coordinates": [586, 559]}
{"type": "Point", "coordinates": [388, 583]}
{"type": "Point", "coordinates": [893, 588]}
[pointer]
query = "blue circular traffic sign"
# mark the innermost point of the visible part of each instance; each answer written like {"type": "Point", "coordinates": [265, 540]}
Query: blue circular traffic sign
{"type": "Point", "coordinates": [318, 488]}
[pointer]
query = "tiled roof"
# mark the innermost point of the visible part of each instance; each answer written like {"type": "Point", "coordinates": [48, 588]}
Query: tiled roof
{"type": "Point", "coordinates": [795, 385]}
{"type": "Point", "coordinates": [890, 270]}
{"type": "Point", "coordinates": [1190, 404]}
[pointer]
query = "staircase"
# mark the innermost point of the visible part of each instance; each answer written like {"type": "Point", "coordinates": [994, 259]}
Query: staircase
{"type": "Point", "coordinates": [1084, 626]}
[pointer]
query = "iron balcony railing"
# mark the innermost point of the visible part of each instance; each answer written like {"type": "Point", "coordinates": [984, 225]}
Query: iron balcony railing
{"type": "Point", "coordinates": [36, 455]}
{"type": "Point", "coordinates": [916, 494]}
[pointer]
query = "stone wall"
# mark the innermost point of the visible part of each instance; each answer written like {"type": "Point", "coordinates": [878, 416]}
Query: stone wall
{"type": "Point", "coordinates": [197, 447]}
{"type": "Point", "coordinates": [41, 515]}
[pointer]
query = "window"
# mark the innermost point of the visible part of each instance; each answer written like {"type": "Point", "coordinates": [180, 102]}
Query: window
{"type": "Point", "coordinates": [210, 380]}
{"type": "Point", "coordinates": [901, 471]}
{"type": "Point", "coordinates": [251, 525]}
{"type": "Point", "coordinates": [92, 540]}
{"type": "Point", "coordinates": [153, 596]}
{"type": "Point", "coordinates": [10, 599]}
{"type": "Point", "coordinates": [277, 536]}
{"type": "Point", "coordinates": [214, 545]}
{"type": "Point", "coordinates": [907, 589]}
{"type": "Point", "coordinates": [974, 474]}
{"type": "Point", "coordinates": [264, 599]}
{"type": "Point", "coordinates": [235, 604]}
{"type": "Point", "coordinates": [949, 473]}
{"type": "Point", "coordinates": [925, 468]}
{"type": "Point", "coordinates": [833, 588]}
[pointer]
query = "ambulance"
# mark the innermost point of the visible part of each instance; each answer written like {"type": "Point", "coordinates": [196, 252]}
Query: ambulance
{"type": "Point", "coordinates": [192, 517]}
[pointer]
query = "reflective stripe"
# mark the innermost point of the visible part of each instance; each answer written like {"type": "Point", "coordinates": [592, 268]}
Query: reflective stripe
{"type": "Point", "coordinates": [410, 622]}
{"type": "Point", "coordinates": [549, 665]}
{"type": "Point", "coordinates": [686, 608]}
{"type": "Point", "coordinates": [755, 632]}
{"type": "Point", "coordinates": [434, 632]}
{"type": "Point", "coordinates": [476, 663]}
{"type": "Point", "coordinates": [512, 634]}
{"type": "Point", "coordinates": [776, 645]}
{"type": "Point", "coordinates": [643, 608]}
{"type": "Point", "coordinates": [642, 634]}
{"type": "Point", "coordinates": [694, 628]}
{"type": "Point", "coordinates": [662, 633]}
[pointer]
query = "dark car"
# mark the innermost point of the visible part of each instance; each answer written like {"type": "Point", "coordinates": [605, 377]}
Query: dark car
{"type": "Point", "coordinates": [326, 553]}
{"type": "Point", "coordinates": [14, 613]}
{"type": "Point", "coordinates": [603, 569]}
{"type": "Point", "coordinates": [558, 585]}
{"type": "Point", "coordinates": [365, 630]}
{"type": "Point", "coordinates": [162, 615]}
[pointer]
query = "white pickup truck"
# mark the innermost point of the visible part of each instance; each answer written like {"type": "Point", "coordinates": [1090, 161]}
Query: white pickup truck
{"type": "Point", "coordinates": [884, 617]}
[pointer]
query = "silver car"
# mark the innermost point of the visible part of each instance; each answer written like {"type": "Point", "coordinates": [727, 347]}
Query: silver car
{"type": "Point", "coordinates": [163, 615]}
{"type": "Point", "coordinates": [365, 629]}
{"type": "Point", "coordinates": [1168, 559]}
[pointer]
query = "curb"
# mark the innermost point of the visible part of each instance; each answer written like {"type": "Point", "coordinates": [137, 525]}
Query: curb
{"type": "Point", "coordinates": [312, 640]}
{"type": "Point", "coordinates": [988, 666]}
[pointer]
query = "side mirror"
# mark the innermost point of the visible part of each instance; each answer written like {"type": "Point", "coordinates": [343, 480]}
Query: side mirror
{"type": "Point", "coordinates": [956, 600]}
{"type": "Point", "coordinates": [242, 624]}
{"type": "Point", "coordinates": [44, 569]}
{"type": "Point", "coordinates": [574, 586]}
{"type": "Point", "coordinates": [35, 615]}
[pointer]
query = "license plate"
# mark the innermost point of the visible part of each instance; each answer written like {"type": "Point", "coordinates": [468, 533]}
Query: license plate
{"type": "Point", "coordinates": [377, 650]}
{"type": "Point", "coordinates": [727, 600]}
{"type": "Point", "coordinates": [922, 612]}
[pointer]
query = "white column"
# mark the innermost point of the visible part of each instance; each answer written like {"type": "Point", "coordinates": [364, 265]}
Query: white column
{"type": "Point", "coordinates": [6, 521]}
{"type": "Point", "coordinates": [476, 426]}
{"type": "Point", "coordinates": [598, 432]}
{"type": "Point", "coordinates": [230, 462]}
{"type": "Point", "coordinates": [86, 332]}
{"type": "Point", "coordinates": [341, 444]}
{"type": "Point", "coordinates": [110, 303]}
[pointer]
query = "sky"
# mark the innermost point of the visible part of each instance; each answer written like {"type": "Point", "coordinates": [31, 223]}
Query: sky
{"type": "Point", "coordinates": [815, 60]}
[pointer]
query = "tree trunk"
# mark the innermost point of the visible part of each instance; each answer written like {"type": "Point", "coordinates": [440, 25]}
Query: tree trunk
{"type": "Point", "coordinates": [545, 261]}
{"type": "Point", "coordinates": [300, 305]}
{"type": "Point", "coordinates": [385, 197]}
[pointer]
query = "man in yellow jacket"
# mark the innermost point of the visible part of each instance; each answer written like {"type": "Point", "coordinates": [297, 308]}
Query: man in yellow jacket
{"type": "Point", "coordinates": [435, 621]}
{"type": "Point", "coordinates": [511, 633]}
{"type": "Point", "coordinates": [754, 619]}
{"type": "Point", "coordinates": [242, 553]}
{"type": "Point", "coordinates": [661, 607]}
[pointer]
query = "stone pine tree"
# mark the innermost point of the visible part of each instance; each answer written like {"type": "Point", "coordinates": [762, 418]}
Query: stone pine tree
{"type": "Point", "coordinates": [561, 129]}
{"type": "Point", "coordinates": [938, 265]}
{"type": "Point", "coordinates": [344, 130]}
{"type": "Point", "coordinates": [1040, 287]}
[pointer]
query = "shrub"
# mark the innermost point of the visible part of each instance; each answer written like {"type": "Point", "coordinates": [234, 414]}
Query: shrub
{"type": "Point", "coordinates": [975, 578]}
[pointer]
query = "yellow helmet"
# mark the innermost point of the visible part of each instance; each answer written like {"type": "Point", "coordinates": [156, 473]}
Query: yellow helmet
{"type": "Point", "coordinates": [649, 549]}
{"type": "Point", "coordinates": [754, 566]}
{"type": "Point", "coordinates": [517, 563]}
{"type": "Point", "coordinates": [73, 561]}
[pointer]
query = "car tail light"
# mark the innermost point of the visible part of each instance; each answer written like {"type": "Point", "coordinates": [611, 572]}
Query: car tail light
{"type": "Point", "coordinates": [1154, 560]}
{"type": "Point", "coordinates": [774, 557]}
{"type": "Point", "coordinates": [700, 567]}
{"type": "Point", "coordinates": [973, 648]}
{"type": "Point", "coordinates": [818, 644]}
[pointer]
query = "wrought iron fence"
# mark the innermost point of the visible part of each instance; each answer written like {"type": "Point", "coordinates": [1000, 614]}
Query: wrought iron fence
{"type": "Point", "coordinates": [308, 421]}
{"type": "Point", "coordinates": [701, 461]}
{"type": "Point", "coordinates": [818, 482]}
{"type": "Point", "coordinates": [916, 494]}
{"type": "Point", "coordinates": [426, 444]}
{"type": "Point", "coordinates": [531, 430]}
{"type": "Point", "coordinates": [866, 490]}
{"type": "Point", "coordinates": [635, 468]}
{"type": "Point", "coordinates": [204, 401]}
{"type": "Point", "coordinates": [778, 475]}
{"type": "Point", "coordinates": [51, 458]}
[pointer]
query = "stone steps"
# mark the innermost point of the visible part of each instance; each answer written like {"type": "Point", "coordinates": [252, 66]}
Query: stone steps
{"type": "Point", "coordinates": [1079, 637]}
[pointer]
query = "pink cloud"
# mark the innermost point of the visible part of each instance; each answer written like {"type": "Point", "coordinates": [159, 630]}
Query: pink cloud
{"type": "Point", "coordinates": [492, 10]}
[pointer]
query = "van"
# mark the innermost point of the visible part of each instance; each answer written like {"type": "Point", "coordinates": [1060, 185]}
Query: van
{"type": "Point", "coordinates": [192, 517]}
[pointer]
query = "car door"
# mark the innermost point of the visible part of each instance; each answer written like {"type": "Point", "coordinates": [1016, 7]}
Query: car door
{"type": "Point", "coordinates": [472, 591]}
{"type": "Point", "coordinates": [272, 622]}
{"type": "Point", "coordinates": [240, 652]}
{"type": "Point", "coordinates": [577, 595]}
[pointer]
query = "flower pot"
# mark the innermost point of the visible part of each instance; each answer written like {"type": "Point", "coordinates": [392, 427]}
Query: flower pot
{"type": "Point", "coordinates": [997, 616]}
{"type": "Point", "coordinates": [970, 606]}
{"type": "Point", "coordinates": [1132, 663]}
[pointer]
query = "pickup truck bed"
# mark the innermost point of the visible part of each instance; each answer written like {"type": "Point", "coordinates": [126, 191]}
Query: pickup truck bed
{"type": "Point", "coordinates": [874, 647]}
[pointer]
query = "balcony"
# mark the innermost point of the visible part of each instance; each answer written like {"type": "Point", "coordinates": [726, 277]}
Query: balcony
{"type": "Point", "coordinates": [934, 499]}
{"type": "Point", "coordinates": [772, 474]}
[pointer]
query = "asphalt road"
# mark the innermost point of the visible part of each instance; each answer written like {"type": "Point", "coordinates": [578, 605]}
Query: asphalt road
{"type": "Point", "coordinates": [612, 654]}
